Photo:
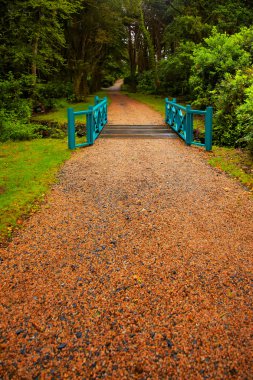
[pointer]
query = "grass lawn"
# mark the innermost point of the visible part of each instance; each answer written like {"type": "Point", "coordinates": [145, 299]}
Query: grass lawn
{"type": "Point", "coordinates": [236, 162]}
{"type": "Point", "coordinates": [27, 169]}
{"type": "Point", "coordinates": [59, 115]}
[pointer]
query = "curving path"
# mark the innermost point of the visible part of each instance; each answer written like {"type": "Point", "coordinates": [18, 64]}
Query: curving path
{"type": "Point", "coordinates": [138, 266]}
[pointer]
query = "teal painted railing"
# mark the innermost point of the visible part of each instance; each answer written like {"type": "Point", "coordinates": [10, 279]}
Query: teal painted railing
{"type": "Point", "coordinates": [96, 119]}
{"type": "Point", "coordinates": [180, 119]}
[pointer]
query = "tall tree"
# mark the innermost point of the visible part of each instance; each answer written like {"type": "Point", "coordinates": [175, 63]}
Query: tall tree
{"type": "Point", "coordinates": [92, 35]}
{"type": "Point", "coordinates": [33, 35]}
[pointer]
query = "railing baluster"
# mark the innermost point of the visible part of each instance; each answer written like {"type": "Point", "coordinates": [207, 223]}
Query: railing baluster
{"type": "Point", "coordinates": [92, 125]}
{"type": "Point", "coordinates": [166, 110]}
{"type": "Point", "coordinates": [89, 129]}
{"type": "Point", "coordinates": [189, 126]}
{"type": "Point", "coordinates": [71, 129]}
{"type": "Point", "coordinates": [208, 128]}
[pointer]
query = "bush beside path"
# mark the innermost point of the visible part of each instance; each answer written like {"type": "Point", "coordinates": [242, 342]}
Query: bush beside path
{"type": "Point", "coordinates": [138, 266]}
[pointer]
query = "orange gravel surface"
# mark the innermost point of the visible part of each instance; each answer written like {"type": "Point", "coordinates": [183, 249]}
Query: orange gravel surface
{"type": "Point", "coordinates": [138, 266]}
{"type": "Point", "coordinates": [126, 111]}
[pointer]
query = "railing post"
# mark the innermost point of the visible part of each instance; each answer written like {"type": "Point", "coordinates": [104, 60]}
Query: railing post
{"type": "Point", "coordinates": [71, 129]}
{"type": "Point", "coordinates": [189, 125]}
{"type": "Point", "coordinates": [166, 110]}
{"type": "Point", "coordinates": [209, 128]}
{"type": "Point", "coordinates": [174, 113]}
{"type": "Point", "coordinates": [96, 100]}
{"type": "Point", "coordinates": [106, 110]}
{"type": "Point", "coordinates": [90, 129]}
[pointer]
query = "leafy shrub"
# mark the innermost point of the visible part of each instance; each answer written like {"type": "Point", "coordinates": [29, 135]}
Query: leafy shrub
{"type": "Point", "coordinates": [146, 82]}
{"type": "Point", "coordinates": [174, 71]}
{"type": "Point", "coordinates": [46, 94]}
{"type": "Point", "coordinates": [244, 114]}
{"type": "Point", "coordinates": [108, 80]}
{"type": "Point", "coordinates": [130, 82]}
{"type": "Point", "coordinates": [222, 76]}
{"type": "Point", "coordinates": [173, 74]}
{"type": "Point", "coordinates": [12, 96]}
{"type": "Point", "coordinates": [51, 129]}
{"type": "Point", "coordinates": [13, 129]}
{"type": "Point", "coordinates": [186, 27]}
{"type": "Point", "coordinates": [233, 120]}
{"type": "Point", "coordinates": [57, 89]}
{"type": "Point", "coordinates": [220, 55]}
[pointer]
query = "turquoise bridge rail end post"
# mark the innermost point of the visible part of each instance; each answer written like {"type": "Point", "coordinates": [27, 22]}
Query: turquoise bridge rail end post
{"type": "Point", "coordinates": [71, 129]}
{"type": "Point", "coordinates": [96, 119]}
{"type": "Point", "coordinates": [180, 119]}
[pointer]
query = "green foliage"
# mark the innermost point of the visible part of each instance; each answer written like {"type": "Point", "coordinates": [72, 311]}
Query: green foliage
{"type": "Point", "coordinates": [33, 35]}
{"type": "Point", "coordinates": [15, 130]}
{"type": "Point", "coordinates": [244, 114]}
{"type": "Point", "coordinates": [55, 89]}
{"type": "Point", "coordinates": [46, 95]}
{"type": "Point", "coordinates": [93, 36]}
{"type": "Point", "coordinates": [174, 72]}
{"type": "Point", "coordinates": [230, 16]}
{"type": "Point", "coordinates": [130, 82]}
{"type": "Point", "coordinates": [221, 54]}
{"type": "Point", "coordinates": [233, 121]}
{"type": "Point", "coordinates": [16, 109]}
{"type": "Point", "coordinates": [51, 130]}
{"type": "Point", "coordinates": [12, 96]}
{"type": "Point", "coordinates": [186, 28]}
{"type": "Point", "coordinates": [147, 82]}
{"type": "Point", "coordinates": [189, 18]}
{"type": "Point", "coordinates": [108, 80]}
{"type": "Point", "coordinates": [112, 70]}
{"type": "Point", "coordinates": [222, 76]}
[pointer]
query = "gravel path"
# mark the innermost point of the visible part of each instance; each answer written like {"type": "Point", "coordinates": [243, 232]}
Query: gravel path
{"type": "Point", "coordinates": [138, 266]}
{"type": "Point", "coordinates": [124, 110]}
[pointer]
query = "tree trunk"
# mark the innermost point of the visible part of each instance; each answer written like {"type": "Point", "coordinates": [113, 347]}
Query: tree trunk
{"type": "Point", "coordinates": [150, 45]}
{"type": "Point", "coordinates": [34, 60]}
{"type": "Point", "coordinates": [81, 89]}
{"type": "Point", "coordinates": [77, 85]}
{"type": "Point", "coordinates": [132, 58]}
{"type": "Point", "coordinates": [96, 81]}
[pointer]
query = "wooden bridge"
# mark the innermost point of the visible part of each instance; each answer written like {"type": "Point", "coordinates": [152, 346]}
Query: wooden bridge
{"type": "Point", "coordinates": [179, 121]}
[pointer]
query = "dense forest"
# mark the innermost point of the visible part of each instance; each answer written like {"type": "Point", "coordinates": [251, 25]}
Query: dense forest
{"type": "Point", "coordinates": [197, 49]}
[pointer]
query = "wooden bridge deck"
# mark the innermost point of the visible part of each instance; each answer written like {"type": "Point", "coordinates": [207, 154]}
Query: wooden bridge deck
{"type": "Point", "coordinates": [138, 131]}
